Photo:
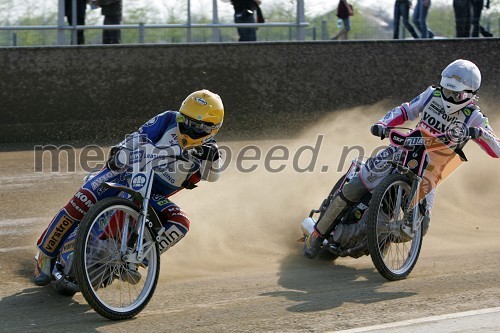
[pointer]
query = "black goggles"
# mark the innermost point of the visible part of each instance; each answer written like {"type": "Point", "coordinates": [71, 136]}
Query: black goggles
{"type": "Point", "coordinates": [194, 126]}
{"type": "Point", "coordinates": [457, 96]}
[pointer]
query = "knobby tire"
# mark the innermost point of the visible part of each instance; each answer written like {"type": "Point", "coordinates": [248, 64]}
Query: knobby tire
{"type": "Point", "coordinates": [374, 237]}
{"type": "Point", "coordinates": [80, 265]}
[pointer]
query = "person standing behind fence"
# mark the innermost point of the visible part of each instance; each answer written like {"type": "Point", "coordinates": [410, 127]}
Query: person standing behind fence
{"type": "Point", "coordinates": [402, 9]}
{"type": "Point", "coordinates": [81, 6]}
{"type": "Point", "coordinates": [247, 11]}
{"type": "Point", "coordinates": [420, 18]}
{"type": "Point", "coordinates": [483, 31]}
{"type": "Point", "coordinates": [112, 12]}
{"type": "Point", "coordinates": [462, 17]}
{"type": "Point", "coordinates": [344, 11]}
{"type": "Point", "coordinates": [476, 7]}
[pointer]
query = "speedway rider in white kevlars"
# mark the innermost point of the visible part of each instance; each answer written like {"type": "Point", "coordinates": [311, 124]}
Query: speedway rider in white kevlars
{"type": "Point", "coordinates": [449, 106]}
{"type": "Point", "coordinates": [190, 130]}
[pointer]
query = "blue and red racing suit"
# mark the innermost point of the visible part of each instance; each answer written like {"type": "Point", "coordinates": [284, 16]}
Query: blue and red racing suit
{"type": "Point", "coordinates": [161, 131]}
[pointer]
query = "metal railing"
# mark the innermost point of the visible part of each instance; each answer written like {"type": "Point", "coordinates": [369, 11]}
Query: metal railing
{"type": "Point", "coordinates": [62, 29]}
{"type": "Point", "coordinates": [142, 29]}
{"type": "Point", "coordinates": [364, 27]}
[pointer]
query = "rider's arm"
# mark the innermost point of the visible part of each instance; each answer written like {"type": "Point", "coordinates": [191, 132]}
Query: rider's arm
{"type": "Point", "coordinates": [153, 130]}
{"type": "Point", "coordinates": [156, 126]}
{"type": "Point", "coordinates": [487, 139]}
{"type": "Point", "coordinates": [407, 111]}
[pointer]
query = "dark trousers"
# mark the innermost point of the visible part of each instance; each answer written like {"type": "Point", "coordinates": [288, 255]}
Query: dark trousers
{"type": "Point", "coordinates": [80, 18]}
{"type": "Point", "coordinates": [402, 10]}
{"type": "Point", "coordinates": [476, 7]}
{"type": "Point", "coordinates": [111, 36]}
{"type": "Point", "coordinates": [462, 17]}
{"type": "Point", "coordinates": [246, 34]}
{"type": "Point", "coordinates": [420, 19]}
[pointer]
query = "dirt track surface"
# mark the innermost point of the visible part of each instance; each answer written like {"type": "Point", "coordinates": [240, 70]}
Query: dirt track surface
{"type": "Point", "coordinates": [240, 270]}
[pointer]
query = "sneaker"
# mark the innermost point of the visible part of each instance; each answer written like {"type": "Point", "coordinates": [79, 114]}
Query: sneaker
{"type": "Point", "coordinates": [485, 32]}
{"type": "Point", "coordinates": [42, 276]}
{"type": "Point", "coordinates": [312, 244]}
{"type": "Point", "coordinates": [129, 275]}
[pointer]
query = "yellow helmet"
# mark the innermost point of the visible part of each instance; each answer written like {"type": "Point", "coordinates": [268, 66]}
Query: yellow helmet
{"type": "Point", "coordinates": [199, 119]}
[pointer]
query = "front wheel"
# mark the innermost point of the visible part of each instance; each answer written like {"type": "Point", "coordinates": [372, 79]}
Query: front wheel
{"type": "Point", "coordinates": [113, 287]}
{"type": "Point", "coordinates": [394, 253]}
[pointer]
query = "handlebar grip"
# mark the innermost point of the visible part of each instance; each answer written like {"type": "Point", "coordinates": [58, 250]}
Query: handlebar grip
{"type": "Point", "coordinates": [379, 130]}
{"type": "Point", "coordinates": [475, 132]}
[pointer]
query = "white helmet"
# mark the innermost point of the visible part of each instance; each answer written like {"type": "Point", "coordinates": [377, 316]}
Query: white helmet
{"type": "Point", "coordinates": [460, 81]}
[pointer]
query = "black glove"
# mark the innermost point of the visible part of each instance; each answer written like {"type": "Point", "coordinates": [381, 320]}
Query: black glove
{"type": "Point", "coordinates": [379, 130]}
{"type": "Point", "coordinates": [113, 163]}
{"type": "Point", "coordinates": [207, 152]}
{"type": "Point", "coordinates": [475, 132]}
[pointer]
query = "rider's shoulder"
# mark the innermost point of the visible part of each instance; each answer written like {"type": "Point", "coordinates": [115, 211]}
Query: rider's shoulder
{"type": "Point", "coordinates": [161, 118]}
{"type": "Point", "coordinates": [431, 91]}
{"type": "Point", "coordinates": [168, 114]}
{"type": "Point", "coordinates": [472, 109]}
{"type": "Point", "coordinates": [434, 90]}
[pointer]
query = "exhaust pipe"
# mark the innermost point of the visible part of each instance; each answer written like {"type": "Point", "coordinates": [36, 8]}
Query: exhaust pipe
{"type": "Point", "coordinates": [307, 226]}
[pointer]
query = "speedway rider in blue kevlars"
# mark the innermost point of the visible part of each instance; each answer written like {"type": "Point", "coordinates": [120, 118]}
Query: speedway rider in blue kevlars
{"type": "Point", "coordinates": [190, 130]}
{"type": "Point", "coordinates": [448, 107]}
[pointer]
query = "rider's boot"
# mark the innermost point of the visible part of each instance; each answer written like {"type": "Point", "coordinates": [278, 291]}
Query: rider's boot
{"type": "Point", "coordinates": [129, 274]}
{"type": "Point", "coordinates": [312, 244]}
{"type": "Point", "coordinates": [42, 275]}
{"type": "Point", "coordinates": [323, 227]}
{"type": "Point", "coordinates": [425, 224]}
{"type": "Point", "coordinates": [426, 221]}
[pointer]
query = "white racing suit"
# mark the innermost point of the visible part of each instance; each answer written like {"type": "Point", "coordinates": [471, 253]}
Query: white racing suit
{"type": "Point", "coordinates": [428, 105]}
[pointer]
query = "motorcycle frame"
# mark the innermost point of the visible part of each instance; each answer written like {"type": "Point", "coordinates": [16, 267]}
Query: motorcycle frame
{"type": "Point", "coordinates": [142, 194]}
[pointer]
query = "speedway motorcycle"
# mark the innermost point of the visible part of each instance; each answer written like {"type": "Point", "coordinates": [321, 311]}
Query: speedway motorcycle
{"type": "Point", "coordinates": [113, 257]}
{"type": "Point", "coordinates": [388, 223]}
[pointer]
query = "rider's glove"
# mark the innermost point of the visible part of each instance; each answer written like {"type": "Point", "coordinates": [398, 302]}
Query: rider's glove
{"type": "Point", "coordinates": [379, 130]}
{"type": "Point", "coordinates": [206, 152]}
{"type": "Point", "coordinates": [475, 132]}
{"type": "Point", "coordinates": [116, 160]}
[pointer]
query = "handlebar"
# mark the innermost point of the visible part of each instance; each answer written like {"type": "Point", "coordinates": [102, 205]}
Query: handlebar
{"type": "Point", "coordinates": [450, 137]}
{"type": "Point", "coordinates": [147, 155]}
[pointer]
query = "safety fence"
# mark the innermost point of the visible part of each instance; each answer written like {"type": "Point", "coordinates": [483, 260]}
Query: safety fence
{"type": "Point", "coordinates": [366, 29]}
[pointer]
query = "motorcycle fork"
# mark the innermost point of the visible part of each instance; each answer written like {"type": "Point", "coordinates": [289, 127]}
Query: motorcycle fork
{"type": "Point", "coordinates": [412, 214]}
{"type": "Point", "coordinates": [137, 255]}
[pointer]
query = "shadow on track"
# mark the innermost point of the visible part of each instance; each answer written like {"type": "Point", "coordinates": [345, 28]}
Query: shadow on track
{"type": "Point", "coordinates": [42, 309]}
{"type": "Point", "coordinates": [319, 285]}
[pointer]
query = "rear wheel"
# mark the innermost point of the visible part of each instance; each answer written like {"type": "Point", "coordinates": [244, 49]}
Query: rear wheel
{"type": "Point", "coordinates": [115, 288]}
{"type": "Point", "coordinates": [394, 253]}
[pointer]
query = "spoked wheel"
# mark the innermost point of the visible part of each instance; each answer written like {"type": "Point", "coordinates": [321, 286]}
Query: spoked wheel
{"type": "Point", "coordinates": [394, 253]}
{"type": "Point", "coordinates": [113, 287]}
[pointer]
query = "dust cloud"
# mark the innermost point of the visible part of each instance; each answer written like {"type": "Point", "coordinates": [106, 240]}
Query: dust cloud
{"type": "Point", "coordinates": [252, 219]}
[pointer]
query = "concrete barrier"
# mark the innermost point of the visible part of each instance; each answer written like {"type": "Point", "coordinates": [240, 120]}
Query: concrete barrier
{"type": "Point", "coordinates": [97, 94]}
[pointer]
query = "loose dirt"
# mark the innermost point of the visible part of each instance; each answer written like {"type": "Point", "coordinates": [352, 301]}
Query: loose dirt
{"type": "Point", "coordinates": [239, 269]}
